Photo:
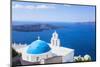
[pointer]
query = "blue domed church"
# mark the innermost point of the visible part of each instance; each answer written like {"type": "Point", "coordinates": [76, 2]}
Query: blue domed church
{"type": "Point", "coordinates": [41, 52]}
{"type": "Point", "coordinates": [36, 48]}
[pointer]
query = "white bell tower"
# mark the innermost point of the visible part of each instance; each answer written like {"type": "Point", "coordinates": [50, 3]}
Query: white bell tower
{"type": "Point", "coordinates": [55, 41]}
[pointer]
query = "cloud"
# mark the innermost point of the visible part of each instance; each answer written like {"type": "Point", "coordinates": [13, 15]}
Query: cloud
{"type": "Point", "coordinates": [29, 15]}
{"type": "Point", "coordinates": [19, 6]}
{"type": "Point", "coordinates": [42, 6]}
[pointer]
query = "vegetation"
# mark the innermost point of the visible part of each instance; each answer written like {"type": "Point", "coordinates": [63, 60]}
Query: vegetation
{"type": "Point", "coordinates": [15, 58]}
{"type": "Point", "coordinates": [85, 58]}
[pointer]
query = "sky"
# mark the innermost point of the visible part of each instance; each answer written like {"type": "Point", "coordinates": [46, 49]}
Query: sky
{"type": "Point", "coordinates": [46, 12]}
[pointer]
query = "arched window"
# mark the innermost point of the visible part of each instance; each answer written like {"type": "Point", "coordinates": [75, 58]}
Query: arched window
{"type": "Point", "coordinates": [37, 58]}
{"type": "Point", "coordinates": [46, 56]}
{"type": "Point", "coordinates": [33, 59]}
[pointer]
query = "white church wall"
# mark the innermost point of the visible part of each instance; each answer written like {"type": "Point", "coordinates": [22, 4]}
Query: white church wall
{"type": "Point", "coordinates": [24, 56]}
{"type": "Point", "coordinates": [30, 57]}
{"type": "Point", "coordinates": [68, 57]}
{"type": "Point", "coordinates": [33, 59]}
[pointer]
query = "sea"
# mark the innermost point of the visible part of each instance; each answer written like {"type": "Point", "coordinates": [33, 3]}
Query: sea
{"type": "Point", "coordinates": [79, 36]}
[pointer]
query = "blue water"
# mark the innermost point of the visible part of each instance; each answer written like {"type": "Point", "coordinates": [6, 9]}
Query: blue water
{"type": "Point", "coordinates": [79, 36]}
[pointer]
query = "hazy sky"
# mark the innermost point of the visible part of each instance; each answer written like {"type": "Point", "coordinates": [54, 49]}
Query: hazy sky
{"type": "Point", "coordinates": [44, 12]}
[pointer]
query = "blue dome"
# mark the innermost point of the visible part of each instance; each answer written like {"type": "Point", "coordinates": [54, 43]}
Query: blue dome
{"type": "Point", "coordinates": [38, 47]}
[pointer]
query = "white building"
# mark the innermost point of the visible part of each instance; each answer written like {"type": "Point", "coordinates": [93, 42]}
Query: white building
{"type": "Point", "coordinates": [41, 52]}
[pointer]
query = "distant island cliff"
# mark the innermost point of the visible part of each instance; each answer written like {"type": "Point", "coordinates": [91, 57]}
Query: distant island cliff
{"type": "Point", "coordinates": [35, 27]}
